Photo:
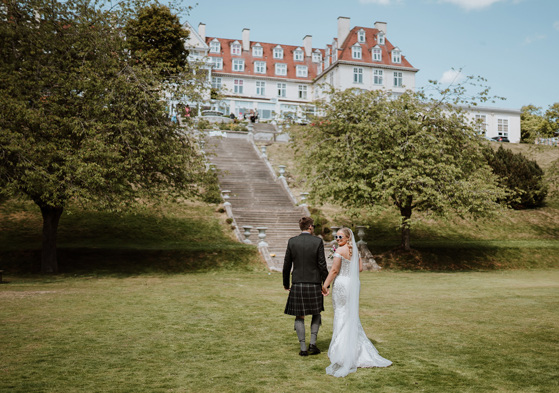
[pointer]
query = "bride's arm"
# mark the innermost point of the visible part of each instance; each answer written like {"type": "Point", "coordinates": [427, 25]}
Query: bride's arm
{"type": "Point", "coordinates": [332, 274]}
{"type": "Point", "coordinates": [360, 265]}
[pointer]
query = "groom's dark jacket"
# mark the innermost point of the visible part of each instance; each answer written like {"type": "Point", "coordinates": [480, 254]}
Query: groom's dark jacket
{"type": "Point", "coordinates": [305, 253]}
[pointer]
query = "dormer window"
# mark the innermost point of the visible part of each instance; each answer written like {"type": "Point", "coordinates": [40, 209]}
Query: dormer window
{"type": "Point", "coordinates": [236, 48]}
{"type": "Point", "coordinates": [356, 51]}
{"type": "Point", "coordinates": [215, 46]}
{"type": "Point", "coordinates": [381, 38]}
{"type": "Point", "coordinates": [278, 52]}
{"type": "Point", "coordinates": [361, 35]}
{"type": "Point", "coordinates": [377, 53]}
{"type": "Point", "coordinates": [298, 55]}
{"type": "Point", "coordinates": [257, 50]}
{"type": "Point", "coordinates": [316, 57]}
{"type": "Point", "coordinates": [396, 56]}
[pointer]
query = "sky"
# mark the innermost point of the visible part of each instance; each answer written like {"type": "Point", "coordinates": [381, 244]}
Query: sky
{"type": "Point", "coordinates": [514, 44]}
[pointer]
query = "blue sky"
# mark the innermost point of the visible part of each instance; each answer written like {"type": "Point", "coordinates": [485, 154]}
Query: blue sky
{"type": "Point", "coordinates": [514, 44]}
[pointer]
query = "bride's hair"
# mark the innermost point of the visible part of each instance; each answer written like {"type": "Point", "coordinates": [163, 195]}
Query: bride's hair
{"type": "Point", "coordinates": [349, 243]}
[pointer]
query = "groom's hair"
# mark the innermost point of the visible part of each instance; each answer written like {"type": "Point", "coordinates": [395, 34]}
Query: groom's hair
{"type": "Point", "coordinates": [305, 223]}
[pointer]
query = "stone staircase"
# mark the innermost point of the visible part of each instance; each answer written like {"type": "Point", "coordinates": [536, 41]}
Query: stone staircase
{"type": "Point", "coordinates": [256, 198]}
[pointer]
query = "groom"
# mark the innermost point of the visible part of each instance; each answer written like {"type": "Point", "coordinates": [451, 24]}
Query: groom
{"type": "Point", "coordinates": [305, 253]}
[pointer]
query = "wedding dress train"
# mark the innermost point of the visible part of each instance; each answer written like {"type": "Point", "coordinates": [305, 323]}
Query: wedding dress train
{"type": "Point", "coordinates": [350, 348]}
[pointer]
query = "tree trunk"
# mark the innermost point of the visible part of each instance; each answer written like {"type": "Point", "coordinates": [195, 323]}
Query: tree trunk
{"type": "Point", "coordinates": [405, 226]}
{"type": "Point", "coordinates": [51, 217]}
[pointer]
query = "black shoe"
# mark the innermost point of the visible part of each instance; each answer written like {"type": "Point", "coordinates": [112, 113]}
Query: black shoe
{"type": "Point", "coordinates": [304, 353]}
{"type": "Point", "coordinates": [313, 350]}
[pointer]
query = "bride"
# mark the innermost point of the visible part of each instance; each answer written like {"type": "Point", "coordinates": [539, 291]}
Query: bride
{"type": "Point", "coordinates": [350, 348]}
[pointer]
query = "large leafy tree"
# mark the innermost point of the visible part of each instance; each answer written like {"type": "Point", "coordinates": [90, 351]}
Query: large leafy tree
{"type": "Point", "coordinates": [416, 153]}
{"type": "Point", "coordinates": [80, 120]}
{"type": "Point", "coordinates": [531, 123]}
{"type": "Point", "coordinates": [156, 37]}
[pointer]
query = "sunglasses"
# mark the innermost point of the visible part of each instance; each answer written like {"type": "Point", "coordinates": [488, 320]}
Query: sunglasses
{"type": "Point", "coordinates": [339, 237]}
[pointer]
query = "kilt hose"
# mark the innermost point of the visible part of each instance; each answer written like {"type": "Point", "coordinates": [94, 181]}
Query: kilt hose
{"type": "Point", "coordinates": [305, 299]}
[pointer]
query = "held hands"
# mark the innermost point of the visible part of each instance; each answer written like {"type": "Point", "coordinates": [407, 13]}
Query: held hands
{"type": "Point", "coordinates": [325, 291]}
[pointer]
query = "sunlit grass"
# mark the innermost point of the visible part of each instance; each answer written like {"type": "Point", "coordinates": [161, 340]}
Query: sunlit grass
{"type": "Point", "coordinates": [225, 331]}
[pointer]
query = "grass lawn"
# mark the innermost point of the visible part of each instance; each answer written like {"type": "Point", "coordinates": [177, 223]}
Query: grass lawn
{"type": "Point", "coordinates": [224, 331]}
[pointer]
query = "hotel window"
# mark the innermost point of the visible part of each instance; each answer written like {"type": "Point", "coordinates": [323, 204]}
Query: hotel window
{"type": "Point", "coordinates": [298, 55]}
{"type": "Point", "coordinates": [282, 89]}
{"type": "Point", "coordinates": [215, 46]}
{"type": "Point", "coordinates": [278, 53]}
{"type": "Point", "coordinates": [257, 50]}
{"type": "Point", "coordinates": [302, 71]}
{"type": "Point", "coordinates": [238, 86]}
{"type": "Point", "coordinates": [396, 56]}
{"type": "Point", "coordinates": [357, 75]}
{"type": "Point", "coordinates": [216, 83]}
{"type": "Point", "coordinates": [316, 57]}
{"type": "Point", "coordinates": [481, 123]}
{"type": "Point", "coordinates": [238, 65]}
{"type": "Point", "coordinates": [303, 92]}
{"type": "Point", "coordinates": [377, 54]}
{"type": "Point", "coordinates": [217, 63]}
{"type": "Point", "coordinates": [503, 127]}
{"type": "Point", "coordinates": [361, 36]}
{"type": "Point", "coordinates": [397, 79]}
{"type": "Point", "coordinates": [260, 88]}
{"type": "Point", "coordinates": [260, 67]}
{"type": "Point", "coordinates": [380, 38]}
{"type": "Point", "coordinates": [378, 77]}
{"type": "Point", "coordinates": [356, 51]}
{"type": "Point", "coordinates": [281, 69]}
{"type": "Point", "coordinates": [235, 48]}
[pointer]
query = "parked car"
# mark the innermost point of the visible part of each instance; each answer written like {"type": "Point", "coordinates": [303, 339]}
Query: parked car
{"type": "Point", "coordinates": [500, 139]}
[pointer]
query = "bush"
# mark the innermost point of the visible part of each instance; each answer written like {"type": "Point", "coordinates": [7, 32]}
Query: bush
{"type": "Point", "coordinates": [204, 124]}
{"type": "Point", "coordinates": [523, 177]}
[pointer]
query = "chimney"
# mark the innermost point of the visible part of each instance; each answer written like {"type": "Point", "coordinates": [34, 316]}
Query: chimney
{"type": "Point", "coordinates": [202, 31]}
{"type": "Point", "coordinates": [307, 43]}
{"type": "Point", "coordinates": [381, 26]}
{"type": "Point", "coordinates": [343, 29]}
{"type": "Point", "coordinates": [246, 40]}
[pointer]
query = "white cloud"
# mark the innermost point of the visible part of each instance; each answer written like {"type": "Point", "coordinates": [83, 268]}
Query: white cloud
{"type": "Point", "coordinates": [556, 25]}
{"type": "Point", "coordinates": [469, 5]}
{"type": "Point", "coordinates": [533, 38]}
{"type": "Point", "coordinates": [452, 76]}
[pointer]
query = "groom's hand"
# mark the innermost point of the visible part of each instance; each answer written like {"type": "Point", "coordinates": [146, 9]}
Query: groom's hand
{"type": "Point", "coordinates": [325, 291]}
{"type": "Point", "coordinates": [287, 289]}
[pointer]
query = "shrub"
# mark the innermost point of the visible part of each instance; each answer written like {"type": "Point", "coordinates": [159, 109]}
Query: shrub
{"type": "Point", "coordinates": [204, 124]}
{"type": "Point", "coordinates": [523, 177]}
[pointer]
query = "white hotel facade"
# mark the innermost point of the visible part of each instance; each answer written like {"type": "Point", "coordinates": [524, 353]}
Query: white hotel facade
{"type": "Point", "coordinates": [280, 80]}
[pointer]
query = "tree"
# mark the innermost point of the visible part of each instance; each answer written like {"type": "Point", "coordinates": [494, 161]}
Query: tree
{"type": "Point", "coordinates": [531, 123]}
{"type": "Point", "coordinates": [523, 177]}
{"type": "Point", "coordinates": [551, 125]}
{"type": "Point", "coordinates": [413, 152]}
{"type": "Point", "coordinates": [156, 37]}
{"type": "Point", "coordinates": [80, 120]}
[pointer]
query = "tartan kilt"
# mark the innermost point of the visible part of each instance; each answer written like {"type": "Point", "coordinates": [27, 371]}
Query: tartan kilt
{"type": "Point", "coordinates": [305, 299]}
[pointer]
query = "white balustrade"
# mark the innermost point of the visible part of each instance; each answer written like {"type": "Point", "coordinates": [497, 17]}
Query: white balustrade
{"type": "Point", "coordinates": [225, 196]}
{"type": "Point", "coordinates": [247, 229]}
{"type": "Point", "coordinates": [262, 236]}
{"type": "Point", "coordinates": [282, 170]}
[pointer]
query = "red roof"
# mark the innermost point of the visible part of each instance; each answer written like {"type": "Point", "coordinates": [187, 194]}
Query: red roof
{"type": "Point", "coordinates": [268, 57]}
{"type": "Point", "coordinates": [371, 36]}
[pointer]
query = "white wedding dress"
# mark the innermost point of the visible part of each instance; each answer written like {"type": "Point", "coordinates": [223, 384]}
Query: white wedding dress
{"type": "Point", "coordinates": [350, 348]}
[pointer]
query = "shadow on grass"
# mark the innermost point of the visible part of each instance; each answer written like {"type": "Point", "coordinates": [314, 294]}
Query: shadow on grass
{"type": "Point", "coordinates": [474, 256]}
{"type": "Point", "coordinates": [130, 262]}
